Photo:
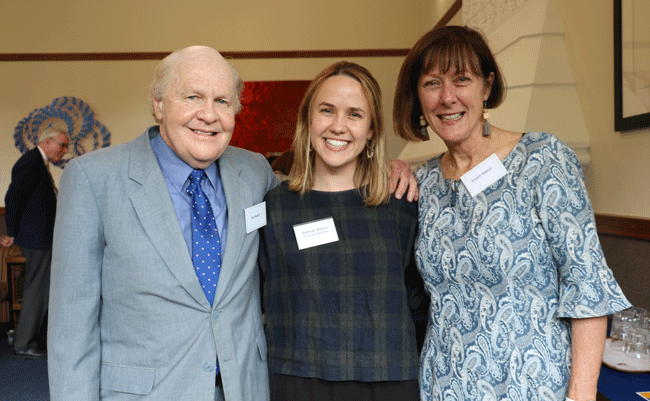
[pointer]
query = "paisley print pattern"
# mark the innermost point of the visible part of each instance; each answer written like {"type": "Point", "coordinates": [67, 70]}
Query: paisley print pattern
{"type": "Point", "coordinates": [506, 270]}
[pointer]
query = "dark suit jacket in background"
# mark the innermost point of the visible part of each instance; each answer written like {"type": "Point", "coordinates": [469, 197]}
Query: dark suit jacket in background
{"type": "Point", "coordinates": [30, 203]}
{"type": "Point", "coordinates": [30, 212]}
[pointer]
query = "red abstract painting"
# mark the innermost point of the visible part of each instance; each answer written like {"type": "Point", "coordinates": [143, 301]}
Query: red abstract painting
{"type": "Point", "coordinates": [267, 121]}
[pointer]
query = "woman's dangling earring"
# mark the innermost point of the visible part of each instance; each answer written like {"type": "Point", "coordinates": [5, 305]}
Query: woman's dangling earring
{"type": "Point", "coordinates": [486, 123]}
{"type": "Point", "coordinates": [424, 132]}
{"type": "Point", "coordinates": [369, 152]}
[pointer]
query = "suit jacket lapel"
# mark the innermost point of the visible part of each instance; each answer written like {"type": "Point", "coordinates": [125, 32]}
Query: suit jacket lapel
{"type": "Point", "coordinates": [238, 198]}
{"type": "Point", "coordinates": [156, 212]}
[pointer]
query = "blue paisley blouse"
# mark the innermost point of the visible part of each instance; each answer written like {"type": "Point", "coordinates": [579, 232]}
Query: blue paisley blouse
{"type": "Point", "coordinates": [506, 271]}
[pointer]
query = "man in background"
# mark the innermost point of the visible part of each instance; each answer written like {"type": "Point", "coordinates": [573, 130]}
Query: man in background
{"type": "Point", "coordinates": [30, 206]}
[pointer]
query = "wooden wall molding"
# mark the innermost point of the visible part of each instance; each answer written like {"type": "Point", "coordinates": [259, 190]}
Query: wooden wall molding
{"type": "Point", "coordinates": [458, 4]}
{"type": "Point", "coordinates": [243, 55]}
{"type": "Point", "coordinates": [628, 227]}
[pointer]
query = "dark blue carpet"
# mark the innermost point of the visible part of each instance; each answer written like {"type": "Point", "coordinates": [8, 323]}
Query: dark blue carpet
{"type": "Point", "coordinates": [21, 380]}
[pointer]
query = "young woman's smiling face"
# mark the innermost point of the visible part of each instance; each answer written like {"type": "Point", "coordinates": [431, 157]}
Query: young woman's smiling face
{"type": "Point", "coordinates": [340, 124]}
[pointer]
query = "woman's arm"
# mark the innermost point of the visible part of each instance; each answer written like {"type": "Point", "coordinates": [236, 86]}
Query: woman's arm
{"type": "Point", "coordinates": [587, 347]}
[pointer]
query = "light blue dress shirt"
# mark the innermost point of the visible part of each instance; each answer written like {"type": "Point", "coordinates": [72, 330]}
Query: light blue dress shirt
{"type": "Point", "coordinates": [176, 173]}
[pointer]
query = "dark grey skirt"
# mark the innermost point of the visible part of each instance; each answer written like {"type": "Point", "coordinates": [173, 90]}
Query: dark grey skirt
{"type": "Point", "coordinates": [295, 388]}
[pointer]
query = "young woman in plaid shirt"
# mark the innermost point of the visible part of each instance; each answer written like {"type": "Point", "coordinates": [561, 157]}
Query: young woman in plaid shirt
{"type": "Point", "coordinates": [342, 296]}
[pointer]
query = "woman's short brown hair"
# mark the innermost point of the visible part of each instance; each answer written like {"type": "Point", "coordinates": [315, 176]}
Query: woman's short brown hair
{"type": "Point", "coordinates": [446, 47]}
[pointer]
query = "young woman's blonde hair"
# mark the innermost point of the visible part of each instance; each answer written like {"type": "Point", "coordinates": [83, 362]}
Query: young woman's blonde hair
{"type": "Point", "coordinates": [371, 176]}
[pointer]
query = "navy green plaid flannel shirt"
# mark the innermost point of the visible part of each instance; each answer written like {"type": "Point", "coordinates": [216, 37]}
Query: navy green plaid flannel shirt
{"type": "Point", "coordinates": [346, 310]}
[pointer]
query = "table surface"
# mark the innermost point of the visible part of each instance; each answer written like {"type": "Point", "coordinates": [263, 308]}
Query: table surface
{"type": "Point", "coordinates": [623, 386]}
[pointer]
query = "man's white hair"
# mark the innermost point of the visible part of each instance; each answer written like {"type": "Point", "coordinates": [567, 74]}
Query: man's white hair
{"type": "Point", "coordinates": [51, 132]}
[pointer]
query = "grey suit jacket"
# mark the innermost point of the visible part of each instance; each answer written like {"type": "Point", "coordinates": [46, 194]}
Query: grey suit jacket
{"type": "Point", "coordinates": [128, 318]}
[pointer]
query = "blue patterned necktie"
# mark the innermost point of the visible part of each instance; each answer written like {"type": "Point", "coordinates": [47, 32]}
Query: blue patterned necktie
{"type": "Point", "coordinates": [206, 246]}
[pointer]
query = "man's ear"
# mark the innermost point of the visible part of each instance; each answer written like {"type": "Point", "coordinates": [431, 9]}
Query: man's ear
{"type": "Point", "coordinates": [157, 106]}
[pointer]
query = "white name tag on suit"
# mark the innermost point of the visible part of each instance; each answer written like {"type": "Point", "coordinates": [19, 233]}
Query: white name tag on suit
{"type": "Point", "coordinates": [255, 217]}
{"type": "Point", "coordinates": [315, 233]}
{"type": "Point", "coordinates": [483, 175]}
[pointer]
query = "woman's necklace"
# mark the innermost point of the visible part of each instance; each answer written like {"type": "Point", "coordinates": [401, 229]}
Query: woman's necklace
{"type": "Point", "coordinates": [453, 197]}
{"type": "Point", "coordinates": [455, 183]}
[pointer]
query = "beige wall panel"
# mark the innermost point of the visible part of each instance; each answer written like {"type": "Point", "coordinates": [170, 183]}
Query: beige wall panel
{"type": "Point", "coordinates": [138, 25]}
{"type": "Point", "coordinates": [557, 101]}
{"type": "Point", "coordinates": [559, 71]}
{"type": "Point", "coordinates": [513, 113]}
{"type": "Point", "coordinates": [618, 177]}
{"type": "Point", "coordinates": [519, 62]}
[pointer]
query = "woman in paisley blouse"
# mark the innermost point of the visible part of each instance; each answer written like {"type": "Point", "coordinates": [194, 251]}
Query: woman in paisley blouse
{"type": "Point", "coordinates": [507, 243]}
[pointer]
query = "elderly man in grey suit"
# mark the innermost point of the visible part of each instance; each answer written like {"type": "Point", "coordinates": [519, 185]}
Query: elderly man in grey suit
{"type": "Point", "coordinates": [129, 318]}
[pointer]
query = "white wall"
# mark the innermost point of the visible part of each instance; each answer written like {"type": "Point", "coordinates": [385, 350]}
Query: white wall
{"type": "Point", "coordinates": [619, 174]}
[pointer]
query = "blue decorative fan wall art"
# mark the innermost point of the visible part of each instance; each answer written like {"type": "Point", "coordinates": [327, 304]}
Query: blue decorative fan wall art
{"type": "Point", "coordinates": [70, 115]}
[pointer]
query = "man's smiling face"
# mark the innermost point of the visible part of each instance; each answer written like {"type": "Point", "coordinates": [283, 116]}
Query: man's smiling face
{"type": "Point", "coordinates": [197, 111]}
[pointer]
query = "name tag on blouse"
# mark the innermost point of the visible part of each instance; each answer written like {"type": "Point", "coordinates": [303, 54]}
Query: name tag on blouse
{"type": "Point", "coordinates": [315, 233]}
{"type": "Point", "coordinates": [483, 175]}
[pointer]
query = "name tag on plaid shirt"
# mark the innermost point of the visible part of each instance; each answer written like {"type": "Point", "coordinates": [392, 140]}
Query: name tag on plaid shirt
{"type": "Point", "coordinates": [315, 233]}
